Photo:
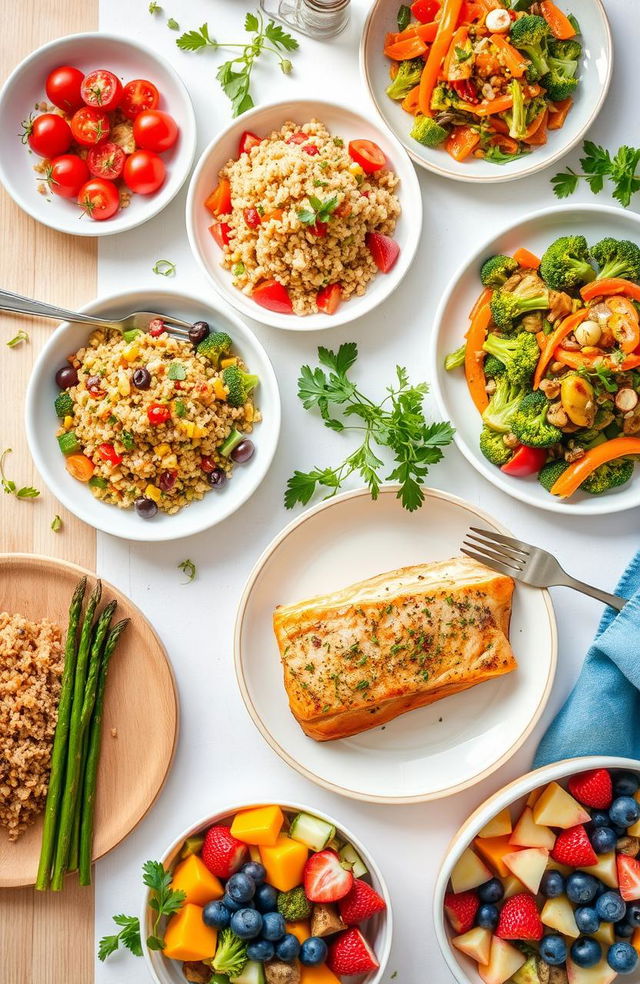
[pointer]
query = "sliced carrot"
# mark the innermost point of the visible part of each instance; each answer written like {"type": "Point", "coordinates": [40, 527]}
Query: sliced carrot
{"type": "Point", "coordinates": [580, 360]}
{"type": "Point", "coordinates": [535, 124]}
{"type": "Point", "coordinates": [487, 108]}
{"type": "Point", "coordinates": [394, 68]}
{"type": "Point", "coordinates": [612, 285]}
{"type": "Point", "coordinates": [573, 477]}
{"type": "Point", "coordinates": [539, 136]}
{"type": "Point", "coordinates": [453, 68]}
{"type": "Point", "coordinates": [505, 143]}
{"type": "Point", "coordinates": [449, 14]}
{"type": "Point", "coordinates": [404, 50]}
{"type": "Point", "coordinates": [541, 339]}
{"type": "Point", "coordinates": [426, 32]}
{"type": "Point", "coordinates": [471, 12]}
{"type": "Point", "coordinates": [525, 258]}
{"type": "Point", "coordinates": [275, 213]}
{"type": "Point", "coordinates": [499, 126]}
{"type": "Point", "coordinates": [219, 201]}
{"type": "Point", "coordinates": [482, 300]}
{"type": "Point", "coordinates": [410, 101]}
{"type": "Point", "coordinates": [473, 366]}
{"type": "Point", "coordinates": [558, 115]}
{"type": "Point", "coordinates": [553, 341]}
{"type": "Point", "coordinates": [510, 56]}
{"type": "Point", "coordinates": [461, 142]}
{"type": "Point", "coordinates": [559, 24]}
{"type": "Point", "coordinates": [79, 466]}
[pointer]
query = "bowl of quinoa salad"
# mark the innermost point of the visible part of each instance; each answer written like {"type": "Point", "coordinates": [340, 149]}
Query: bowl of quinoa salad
{"type": "Point", "coordinates": [148, 436]}
{"type": "Point", "coordinates": [304, 215]}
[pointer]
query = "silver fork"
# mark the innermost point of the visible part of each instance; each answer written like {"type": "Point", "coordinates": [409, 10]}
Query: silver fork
{"type": "Point", "coordinates": [528, 564]}
{"type": "Point", "coordinates": [138, 319]}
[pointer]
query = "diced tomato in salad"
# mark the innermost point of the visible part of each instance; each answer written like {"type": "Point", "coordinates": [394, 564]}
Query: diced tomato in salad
{"type": "Point", "coordinates": [220, 232]}
{"type": "Point", "coordinates": [384, 250]}
{"type": "Point", "coordinates": [273, 296]}
{"type": "Point", "coordinates": [248, 141]}
{"type": "Point", "coordinates": [425, 10]}
{"type": "Point", "coordinates": [328, 299]}
{"type": "Point", "coordinates": [368, 155]}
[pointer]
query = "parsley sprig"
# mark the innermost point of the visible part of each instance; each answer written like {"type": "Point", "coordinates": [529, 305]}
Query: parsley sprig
{"type": "Point", "coordinates": [234, 75]}
{"type": "Point", "coordinates": [10, 487]}
{"type": "Point", "coordinates": [189, 569]}
{"type": "Point", "coordinates": [599, 164]}
{"type": "Point", "coordinates": [317, 210]}
{"type": "Point", "coordinates": [162, 899]}
{"type": "Point", "coordinates": [397, 423]}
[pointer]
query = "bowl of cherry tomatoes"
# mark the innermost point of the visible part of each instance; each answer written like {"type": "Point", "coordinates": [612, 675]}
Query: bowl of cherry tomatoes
{"type": "Point", "coordinates": [104, 134]}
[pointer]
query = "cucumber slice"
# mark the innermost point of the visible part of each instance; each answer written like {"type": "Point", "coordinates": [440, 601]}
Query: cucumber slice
{"type": "Point", "coordinates": [191, 846]}
{"type": "Point", "coordinates": [311, 831]}
{"type": "Point", "coordinates": [335, 844]}
{"type": "Point", "coordinates": [69, 443]}
{"type": "Point", "coordinates": [234, 439]}
{"type": "Point", "coordinates": [63, 405]}
{"type": "Point", "coordinates": [98, 482]}
{"type": "Point", "coordinates": [130, 334]}
{"type": "Point", "coordinates": [253, 973]}
{"type": "Point", "coordinates": [350, 856]}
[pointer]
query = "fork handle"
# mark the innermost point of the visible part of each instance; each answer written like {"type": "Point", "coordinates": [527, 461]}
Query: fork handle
{"type": "Point", "coordinates": [607, 599]}
{"type": "Point", "coordinates": [25, 305]}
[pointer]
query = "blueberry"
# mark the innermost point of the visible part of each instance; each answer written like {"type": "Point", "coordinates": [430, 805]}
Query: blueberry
{"type": "Point", "coordinates": [553, 950]}
{"type": "Point", "coordinates": [633, 913]}
{"type": "Point", "coordinates": [260, 950]}
{"type": "Point", "coordinates": [246, 923]}
{"type": "Point", "coordinates": [587, 919]}
{"type": "Point", "coordinates": [491, 891]}
{"type": "Point", "coordinates": [313, 952]}
{"type": "Point", "coordinates": [266, 898]}
{"type": "Point", "coordinates": [487, 916]}
{"type": "Point", "coordinates": [552, 884]}
{"type": "Point", "coordinates": [241, 888]}
{"type": "Point", "coordinates": [254, 870]}
{"type": "Point", "coordinates": [625, 784]}
{"type": "Point", "coordinates": [600, 818]}
{"type": "Point", "coordinates": [624, 929]}
{"type": "Point", "coordinates": [288, 948]}
{"type": "Point", "coordinates": [603, 840]}
{"type": "Point", "coordinates": [198, 332]}
{"type": "Point", "coordinates": [625, 811]}
{"type": "Point", "coordinates": [610, 907]}
{"type": "Point", "coordinates": [586, 952]}
{"type": "Point", "coordinates": [232, 906]}
{"type": "Point", "coordinates": [622, 958]}
{"type": "Point", "coordinates": [273, 926]}
{"type": "Point", "coordinates": [216, 914]}
{"type": "Point", "coordinates": [581, 888]}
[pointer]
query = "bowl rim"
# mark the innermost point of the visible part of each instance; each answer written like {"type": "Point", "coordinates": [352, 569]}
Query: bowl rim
{"type": "Point", "coordinates": [287, 806]}
{"type": "Point", "coordinates": [364, 304]}
{"type": "Point", "coordinates": [32, 427]}
{"type": "Point", "coordinates": [497, 801]}
{"type": "Point", "coordinates": [99, 229]}
{"type": "Point", "coordinates": [502, 175]}
{"type": "Point", "coordinates": [515, 491]}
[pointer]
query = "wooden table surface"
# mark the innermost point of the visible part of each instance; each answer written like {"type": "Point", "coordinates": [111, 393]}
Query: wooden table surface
{"type": "Point", "coordinates": [44, 938]}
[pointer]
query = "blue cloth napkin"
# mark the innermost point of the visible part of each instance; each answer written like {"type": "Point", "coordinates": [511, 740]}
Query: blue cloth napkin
{"type": "Point", "coordinates": [602, 714]}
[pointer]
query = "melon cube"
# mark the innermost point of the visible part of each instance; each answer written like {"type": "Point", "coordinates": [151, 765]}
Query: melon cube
{"type": "Point", "coordinates": [635, 941]}
{"type": "Point", "coordinates": [534, 796]}
{"type": "Point", "coordinates": [557, 808]}
{"type": "Point", "coordinates": [504, 961]}
{"type": "Point", "coordinates": [493, 849]}
{"type": "Point", "coordinates": [318, 975]}
{"type": "Point", "coordinates": [558, 914]}
{"type": "Point", "coordinates": [498, 826]}
{"type": "Point", "coordinates": [600, 974]}
{"type": "Point", "coordinates": [196, 881]}
{"type": "Point", "coordinates": [606, 869]}
{"type": "Point", "coordinates": [285, 862]}
{"type": "Point", "coordinates": [187, 937]}
{"type": "Point", "coordinates": [469, 872]}
{"type": "Point", "coordinates": [528, 833]}
{"type": "Point", "coordinates": [529, 865]}
{"type": "Point", "coordinates": [605, 934]}
{"type": "Point", "coordinates": [301, 930]}
{"type": "Point", "coordinates": [476, 944]}
{"type": "Point", "coordinates": [260, 825]}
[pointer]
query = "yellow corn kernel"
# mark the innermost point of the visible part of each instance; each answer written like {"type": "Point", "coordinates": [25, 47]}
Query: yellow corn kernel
{"type": "Point", "coordinates": [162, 449]}
{"type": "Point", "coordinates": [68, 422]}
{"type": "Point", "coordinates": [248, 412]}
{"type": "Point", "coordinates": [124, 386]}
{"type": "Point", "coordinates": [188, 427]}
{"type": "Point", "coordinates": [131, 352]}
{"type": "Point", "coordinates": [153, 492]}
{"type": "Point", "coordinates": [199, 431]}
{"type": "Point", "coordinates": [232, 361]}
{"type": "Point", "coordinates": [356, 170]}
{"type": "Point", "coordinates": [220, 389]}
{"type": "Point", "coordinates": [170, 461]}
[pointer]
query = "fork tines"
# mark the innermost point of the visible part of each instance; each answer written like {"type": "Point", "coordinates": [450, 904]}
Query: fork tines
{"type": "Point", "coordinates": [177, 329]}
{"type": "Point", "coordinates": [500, 553]}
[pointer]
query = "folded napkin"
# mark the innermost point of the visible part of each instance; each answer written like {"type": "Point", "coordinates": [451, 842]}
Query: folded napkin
{"type": "Point", "coordinates": [602, 714]}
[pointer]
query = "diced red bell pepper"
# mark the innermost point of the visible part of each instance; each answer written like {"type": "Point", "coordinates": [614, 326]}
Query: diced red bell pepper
{"type": "Point", "coordinates": [297, 138]}
{"type": "Point", "coordinates": [328, 299]}
{"type": "Point", "coordinates": [219, 201]}
{"type": "Point", "coordinates": [319, 230]}
{"type": "Point", "coordinates": [384, 250]}
{"type": "Point", "coordinates": [425, 10]}
{"type": "Point", "coordinates": [272, 295]}
{"type": "Point", "coordinates": [248, 141]}
{"type": "Point", "coordinates": [526, 461]}
{"type": "Point", "coordinates": [220, 232]}
{"type": "Point", "coordinates": [251, 217]}
{"type": "Point", "coordinates": [108, 453]}
{"type": "Point", "coordinates": [311, 149]}
{"type": "Point", "coordinates": [158, 413]}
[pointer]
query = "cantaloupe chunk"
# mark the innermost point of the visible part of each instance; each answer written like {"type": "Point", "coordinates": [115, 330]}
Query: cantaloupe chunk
{"type": "Point", "coordinates": [284, 862]}
{"type": "Point", "coordinates": [606, 869]}
{"type": "Point", "coordinates": [260, 826]}
{"type": "Point", "coordinates": [301, 930]}
{"type": "Point", "coordinates": [534, 796]}
{"type": "Point", "coordinates": [186, 936]}
{"type": "Point", "coordinates": [318, 975]}
{"type": "Point", "coordinates": [493, 850]}
{"type": "Point", "coordinates": [498, 826]}
{"type": "Point", "coordinates": [635, 941]}
{"type": "Point", "coordinates": [194, 879]}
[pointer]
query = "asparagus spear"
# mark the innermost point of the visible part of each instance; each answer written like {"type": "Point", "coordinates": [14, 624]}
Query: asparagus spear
{"type": "Point", "coordinates": [93, 757]}
{"type": "Point", "coordinates": [60, 741]}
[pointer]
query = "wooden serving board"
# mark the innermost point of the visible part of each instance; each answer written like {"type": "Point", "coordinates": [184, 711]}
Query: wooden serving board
{"type": "Point", "coordinates": [141, 709]}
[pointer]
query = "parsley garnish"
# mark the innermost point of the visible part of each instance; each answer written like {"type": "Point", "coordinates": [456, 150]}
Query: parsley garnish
{"type": "Point", "coordinates": [180, 408]}
{"type": "Point", "coordinates": [597, 164]}
{"type": "Point", "coordinates": [176, 371]}
{"type": "Point", "coordinates": [317, 210]}
{"type": "Point", "coordinates": [164, 268]}
{"type": "Point", "coordinates": [462, 54]}
{"type": "Point", "coordinates": [154, 8]}
{"type": "Point", "coordinates": [22, 336]}
{"type": "Point", "coordinates": [26, 492]}
{"type": "Point", "coordinates": [162, 899]}
{"type": "Point", "coordinates": [237, 269]}
{"type": "Point", "coordinates": [189, 568]}
{"type": "Point", "coordinates": [173, 24]}
{"type": "Point", "coordinates": [404, 17]}
{"type": "Point", "coordinates": [128, 440]}
{"type": "Point", "coordinates": [56, 523]}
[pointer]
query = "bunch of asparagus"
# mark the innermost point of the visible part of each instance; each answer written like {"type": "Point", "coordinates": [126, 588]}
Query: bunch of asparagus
{"type": "Point", "coordinates": [67, 837]}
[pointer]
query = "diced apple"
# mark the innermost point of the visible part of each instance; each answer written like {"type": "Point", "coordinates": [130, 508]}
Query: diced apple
{"type": "Point", "coordinates": [493, 849]}
{"type": "Point", "coordinates": [499, 826]}
{"type": "Point", "coordinates": [529, 865]}
{"type": "Point", "coordinates": [605, 934]}
{"type": "Point", "coordinates": [528, 833]}
{"type": "Point", "coordinates": [558, 914]}
{"type": "Point", "coordinates": [605, 869]}
{"type": "Point", "coordinates": [557, 808]}
{"type": "Point", "coordinates": [600, 974]}
{"type": "Point", "coordinates": [504, 961]}
{"type": "Point", "coordinates": [476, 944]}
{"type": "Point", "coordinates": [534, 796]}
{"type": "Point", "coordinates": [469, 872]}
{"type": "Point", "coordinates": [512, 886]}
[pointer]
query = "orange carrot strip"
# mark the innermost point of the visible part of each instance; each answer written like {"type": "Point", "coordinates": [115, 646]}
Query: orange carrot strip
{"type": "Point", "coordinates": [612, 285]}
{"type": "Point", "coordinates": [511, 57]}
{"type": "Point", "coordinates": [426, 32]}
{"type": "Point", "coordinates": [505, 143]}
{"type": "Point", "coordinates": [404, 50]}
{"type": "Point", "coordinates": [449, 13]}
{"type": "Point", "coordinates": [482, 300]}
{"type": "Point", "coordinates": [459, 39]}
{"type": "Point", "coordinates": [535, 124]}
{"type": "Point", "coordinates": [541, 339]}
{"type": "Point", "coordinates": [573, 477]}
{"type": "Point", "coordinates": [559, 24]}
{"type": "Point", "coordinates": [553, 340]}
{"type": "Point", "coordinates": [410, 101]}
{"type": "Point", "coordinates": [558, 115]}
{"type": "Point", "coordinates": [473, 366]}
{"type": "Point", "coordinates": [487, 108]}
{"type": "Point", "coordinates": [578, 360]}
{"type": "Point", "coordinates": [525, 258]}
{"type": "Point", "coordinates": [539, 136]}
{"type": "Point", "coordinates": [461, 142]}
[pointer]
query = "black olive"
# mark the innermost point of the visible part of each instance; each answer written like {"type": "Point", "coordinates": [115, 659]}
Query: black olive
{"type": "Point", "coordinates": [145, 507]}
{"type": "Point", "coordinates": [141, 379]}
{"type": "Point", "coordinates": [217, 478]}
{"type": "Point", "coordinates": [198, 332]}
{"type": "Point", "coordinates": [66, 377]}
{"type": "Point", "coordinates": [243, 451]}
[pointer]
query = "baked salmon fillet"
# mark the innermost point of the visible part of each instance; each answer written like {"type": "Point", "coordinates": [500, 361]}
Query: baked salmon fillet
{"type": "Point", "coordinates": [359, 657]}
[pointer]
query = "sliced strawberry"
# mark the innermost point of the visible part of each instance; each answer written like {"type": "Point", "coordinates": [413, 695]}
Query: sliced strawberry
{"type": "Point", "coordinates": [350, 954]}
{"type": "Point", "coordinates": [222, 853]}
{"type": "Point", "coordinates": [628, 877]}
{"type": "Point", "coordinates": [573, 848]}
{"type": "Point", "coordinates": [461, 910]}
{"type": "Point", "coordinates": [325, 880]}
{"type": "Point", "coordinates": [361, 903]}
{"type": "Point", "coordinates": [593, 788]}
{"type": "Point", "coordinates": [384, 250]}
{"type": "Point", "coordinates": [519, 919]}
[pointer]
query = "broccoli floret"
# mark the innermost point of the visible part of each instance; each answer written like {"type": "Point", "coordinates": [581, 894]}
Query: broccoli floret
{"type": "Point", "coordinates": [239, 384]}
{"type": "Point", "coordinates": [508, 306]}
{"type": "Point", "coordinates": [216, 345]}
{"type": "Point", "coordinates": [520, 355]}
{"type": "Point", "coordinates": [502, 406]}
{"type": "Point", "coordinates": [617, 258]}
{"type": "Point", "coordinates": [294, 905]}
{"type": "Point", "coordinates": [427, 132]}
{"type": "Point", "coordinates": [408, 76]}
{"type": "Point", "coordinates": [559, 84]}
{"type": "Point", "coordinates": [493, 367]}
{"type": "Point", "coordinates": [443, 98]}
{"type": "Point", "coordinates": [455, 359]}
{"type": "Point", "coordinates": [551, 472]}
{"type": "Point", "coordinates": [530, 34]}
{"type": "Point", "coordinates": [533, 109]}
{"type": "Point", "coordinates": [567, 50]}
{"type": "Point", "coordinates": [493, 447]}
{"type": "Point", "coordinates": [231, 954]}
{"type": "Point", "coordinates": [495, 271]}
{"type": "Point", "coordinates": [530, 424]}
{"type": "Point", "coordinates": [565, 263]}
{"type": "Point", "coordinates": [516, 117]}
{"type": "Point", "coordinates": [563, 66]}
{"type": "Point", "coordinates": [611, 475]}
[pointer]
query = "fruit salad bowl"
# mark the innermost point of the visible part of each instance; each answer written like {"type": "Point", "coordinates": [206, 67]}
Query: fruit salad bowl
{"type": "Point", "coordinates": [518, 882]}
{"type": "Point", "coordinates": [247, 871]}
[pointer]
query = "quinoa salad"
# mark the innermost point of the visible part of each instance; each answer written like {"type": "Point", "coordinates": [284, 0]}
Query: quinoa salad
{"type": "Point", "coordinates": [305, 221]}
{"type": "Point", "coordinates": [155, 422]}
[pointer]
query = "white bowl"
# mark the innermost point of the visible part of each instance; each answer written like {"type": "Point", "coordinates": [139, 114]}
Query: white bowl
{"type": "Point", "coordinates": [340, 122]}
{"type": "Point", "coordinates": [378, 930]}
{"type": "Point", "coordinates": [41, 422]}
{"type": "Point", "coordinates": [535, 231]}
{"type": "Point", "coordinates": [462, 967]}
{"type": "Point", "coordinates": [25, 87]}
{"type": "Point", "coordinates": [595, 75]}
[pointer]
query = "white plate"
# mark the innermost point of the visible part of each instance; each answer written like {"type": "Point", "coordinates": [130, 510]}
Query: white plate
{"type": "Point", "coordinates": [41, 422]}
{"type": "Point", "coordinates": [25, 87]}
{"type": "Point", "coordinates": [340, 122]}
{"type": "Point", "coordinates": [536, 231]}
{"type": "Point", "coordinates": [427, 753]}
{"type": "Point", "coordinates": [595, 75]}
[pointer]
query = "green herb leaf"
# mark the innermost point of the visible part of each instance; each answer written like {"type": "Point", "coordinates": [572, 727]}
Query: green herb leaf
{"type": "Point", "coordinates": [189, 568]}
{"type": "Point", "coordinates": [27, 492]}
{"type": "Point", "coordinates": [56, 524]}
{"type": "Point", "coordinates": [128, 440]}
{"type": "Point", "coordinates": [278, 36]}
{"type": "Point", "coordinates": [565, 183]}
{"type": "Point", "coordinates": [173, 24]}
{"type": "Point", "coordinates": [180, 408]}
{"type": "Point", "coordinates": [176, 371]}
{"type": "Point", "coordinates": [251, 23]}
{"type": "Point", "coordinates": [154, 8]}
{"type": "Point", "coordinates": [129, 936]}
{"type": "Point", "coordinates": [598, 165]}
{"type": "Point", "coordinates": [10, 487]}
{"type": "Point", "coordinates": [237, 269]}
{"type": "Point", "coordinates": [195, 40]}
{"type": "Point", "coordinates": [22, 336]}
{"type": "Point", "coordinates": [318, 210]}
{"type": "Point", "coordinates": [462, 54]}
{"type": "Point", "coordinates": [164, 268]}
{"type": "Point", "coordinates": [404, 17]}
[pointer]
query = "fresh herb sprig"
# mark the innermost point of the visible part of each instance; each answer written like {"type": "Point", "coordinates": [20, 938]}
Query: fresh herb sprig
{"type": "Point", "coordinates": [189, 569]}
{"type": "Point", "coordinates": [9, 486]}
{"type": "Point", "coordinates": [162, 899]}
{"type": "Point", "coordinates": [235, 74]}
{"type": "Point", "coordinates": [22, 336]}
{"type": "Point", "coordinates": [317, 210]}
{"type": "Point", "coordinates": [598, 165]}
{"type": "Point", "coordinates": [397, 423]}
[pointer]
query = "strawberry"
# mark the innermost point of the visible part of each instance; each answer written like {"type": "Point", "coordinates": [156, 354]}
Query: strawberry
{"type": "Point", "coordinates": [573, 847]}
{"type": "Point", "coordinates": [361, 903]}
{"type": "Point", "coordinates": [628, 877]}
{"type": "Point", "coordinates": [222, 853]}
{"type": "Point", "coordinates": [519, 919]}
{"type": "Point", "coordinates": [593, 788]}
{"type": "Point", "coordinates": [351, 954]}
{"type": "Point", "coordinates": [461, 910]}
{"type": "Point", "coordinates": [325, 880]}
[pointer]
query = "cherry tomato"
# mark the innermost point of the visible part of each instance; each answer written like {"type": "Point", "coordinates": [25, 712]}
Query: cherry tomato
{"type": "Point", "coordinates": [319, 229]}
{"type": "Point", "coordinates": [248, 141]}
{"type": "Point", "coordinates": [48, 135]}
{"type": "Point", "coordinates": [157, 327]}
{"type": "Point", "coordinates": [144, 172]}
{"type": "Point", "coordinates": [99, 199]}
{"type": "Point", "coordinates": [328, 299]}
{"type": "Point", "coordinates": [311, 149]}
{"type": "Point", "coordinates": [63, 88]}
{"type": "Point", "coordinates": [526, 461]}
{"type": "Point", "coordinates": [155, 130]}
{"type": "Point", "coordinates": [67, 175]}
{"type": "Point", "coordinates": [251, 217]}
{"type": "Point", "coordinates": [220, 232]}
{"type": "Point", "coordinates": [425, 10]}
{"type": "Point", "coordinates": [383, 249]}
{"type": "Point", "coordinates": [102, 90]}
{"type": "Point", "coordinates": [158, 413]}
{"type": "Point", "coordinates": [79, 466]}
{"type": "Point", "coordinates": [138, 96]}
{"type": "Point", "coordinates": [368, 155]}
{"type": "Point", "coordinates": [106, 161]}
{"type": "Point", "coordinates": [108, 453]}
{"type": "Point", "coordinates": [90, 126]}
{"type": "Point", "coordinates": [272, 295]}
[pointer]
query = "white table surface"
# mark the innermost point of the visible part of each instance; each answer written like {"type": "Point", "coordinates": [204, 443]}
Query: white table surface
{"type": "Point", "coordinates": [221, 758]}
